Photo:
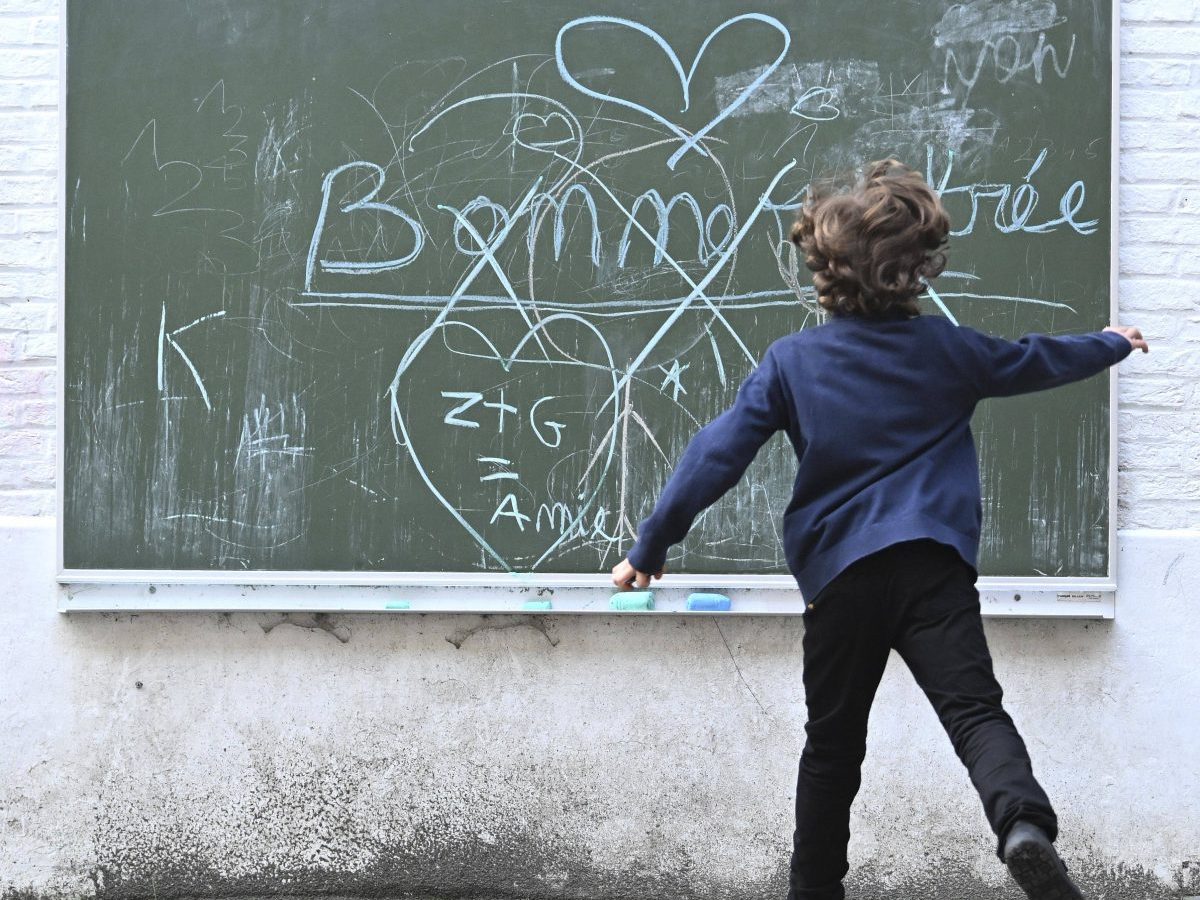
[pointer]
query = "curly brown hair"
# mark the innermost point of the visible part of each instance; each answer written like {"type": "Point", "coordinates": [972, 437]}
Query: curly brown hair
{"type": "Point", "coordinates": [871, 248]}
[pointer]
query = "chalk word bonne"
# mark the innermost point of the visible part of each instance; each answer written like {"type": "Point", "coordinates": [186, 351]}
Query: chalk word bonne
{"type": "Point", "coordinates": [714, 229]}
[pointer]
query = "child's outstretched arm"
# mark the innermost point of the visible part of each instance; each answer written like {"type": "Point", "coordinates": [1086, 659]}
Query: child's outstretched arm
{"type": "Point", "coordinates": [1037, 361]}
{"type": "Point", "coordinates": [712, 463]}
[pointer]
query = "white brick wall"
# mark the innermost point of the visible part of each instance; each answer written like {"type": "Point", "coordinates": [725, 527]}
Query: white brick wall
{"type": "Point", "coordinates": [1159, 259]}
{"type": "Point", "coordinates": [1159, 421]}
{"type": "Point", "coordinates": [28, 240]}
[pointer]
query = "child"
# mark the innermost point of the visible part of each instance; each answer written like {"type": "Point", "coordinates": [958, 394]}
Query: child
{"type": "Point", "coordinates": [882, 530]}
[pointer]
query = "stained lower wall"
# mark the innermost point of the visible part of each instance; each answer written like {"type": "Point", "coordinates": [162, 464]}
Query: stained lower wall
{"type": "Point", "coordinates": [222, 755]}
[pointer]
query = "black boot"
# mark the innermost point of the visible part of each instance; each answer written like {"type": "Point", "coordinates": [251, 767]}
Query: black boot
{"type": "Point", "coordinates": [1035, 866]}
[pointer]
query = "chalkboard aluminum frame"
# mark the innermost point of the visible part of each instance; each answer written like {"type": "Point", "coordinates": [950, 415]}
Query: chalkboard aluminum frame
{"type": "Point", "coordinates": [100, 590]}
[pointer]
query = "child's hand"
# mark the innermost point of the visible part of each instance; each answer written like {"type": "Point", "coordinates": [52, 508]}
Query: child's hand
{"type": "Point", "coordinates": [1133, 335]}
{"type": "Point", "coordinates": [627, 578]}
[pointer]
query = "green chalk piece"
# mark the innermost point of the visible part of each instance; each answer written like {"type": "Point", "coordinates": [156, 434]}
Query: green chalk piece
{"type": "Point", "coordinates": [700, 602]}
{"type": "Point", "coordinates": [632, 600]}
{"type": "Point", "coordinates": [535, 604]}
{"type": "Point", "coordinates": [399, 604]}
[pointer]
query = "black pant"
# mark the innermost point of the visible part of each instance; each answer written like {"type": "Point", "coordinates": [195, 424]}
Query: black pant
{"type": "Point", "coordinates": [918, 597]}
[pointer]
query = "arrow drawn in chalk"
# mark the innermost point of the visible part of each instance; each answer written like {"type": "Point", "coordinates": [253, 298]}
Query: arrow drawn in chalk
{"type": "Point", "coordinates": [168, 338]}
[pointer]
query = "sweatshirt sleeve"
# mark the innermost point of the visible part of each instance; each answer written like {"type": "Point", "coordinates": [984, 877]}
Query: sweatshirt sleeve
{"type": "Point", "coordinates": [712, 463]}
{"type": "Point", "coordinates": [1038, 361]}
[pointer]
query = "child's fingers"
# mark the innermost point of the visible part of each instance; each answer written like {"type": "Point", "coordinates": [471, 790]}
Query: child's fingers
{"type": "Point", "coordinates": [622, 574]}
{"type": "Point", "coordinates": [625, 577]}
{"type": "Point", "coordinates": [1131, 334]}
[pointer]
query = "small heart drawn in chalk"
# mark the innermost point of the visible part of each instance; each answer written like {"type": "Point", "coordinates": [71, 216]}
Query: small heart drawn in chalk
{"type": "Point", "coordinates": [547, 133]}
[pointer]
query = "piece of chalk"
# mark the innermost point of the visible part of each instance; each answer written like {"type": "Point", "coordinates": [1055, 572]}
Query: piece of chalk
{"type": "Point", "coordinates": [632, 600]}
{"type": "Point", "coordinates": [708, 602]}
{"type": "Point", "coordinates": [536, 604]}
{"type": "Point", "coordinates": [398, 604]}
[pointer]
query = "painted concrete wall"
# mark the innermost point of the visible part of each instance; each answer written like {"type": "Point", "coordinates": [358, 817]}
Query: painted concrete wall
{"type": "Point", "coordinates": [526, 756]}
{"type": "Point", "coordinates": [213, 755]}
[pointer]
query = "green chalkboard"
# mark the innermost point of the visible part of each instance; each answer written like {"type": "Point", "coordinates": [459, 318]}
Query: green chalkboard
{"type": "Point", "coordinates": [446, 287]}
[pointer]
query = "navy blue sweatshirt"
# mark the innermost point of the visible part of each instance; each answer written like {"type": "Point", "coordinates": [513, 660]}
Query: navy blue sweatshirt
{"type": "Point", "coordinates": [878, 412]}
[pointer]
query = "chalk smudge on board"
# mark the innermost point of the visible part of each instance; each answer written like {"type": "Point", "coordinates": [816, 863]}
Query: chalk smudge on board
{"type": "Point", "coordinates": [984, 20]}
{"type": "Point", "coordinates": [850, 83]}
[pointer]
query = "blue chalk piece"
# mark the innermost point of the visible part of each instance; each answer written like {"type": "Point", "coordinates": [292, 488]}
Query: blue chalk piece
{"type": "Point", "coordinates": [399, 604]}
{"type": "Point", "coordinates": [626, 601]}
{"type": "Point", "coordinates": [708, 602]}
{"type": "Point", "coordinates": [536, 604]}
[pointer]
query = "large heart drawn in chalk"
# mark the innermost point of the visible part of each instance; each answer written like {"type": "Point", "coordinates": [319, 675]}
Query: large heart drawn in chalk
{"type": "Point", "coordinates": [450, 407]}
{"type": "Point", "coordinates": [685, 77]}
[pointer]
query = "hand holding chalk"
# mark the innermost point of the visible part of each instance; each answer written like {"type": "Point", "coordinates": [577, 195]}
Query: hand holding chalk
{"type": "Point", "coordinates": [627, 578]}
